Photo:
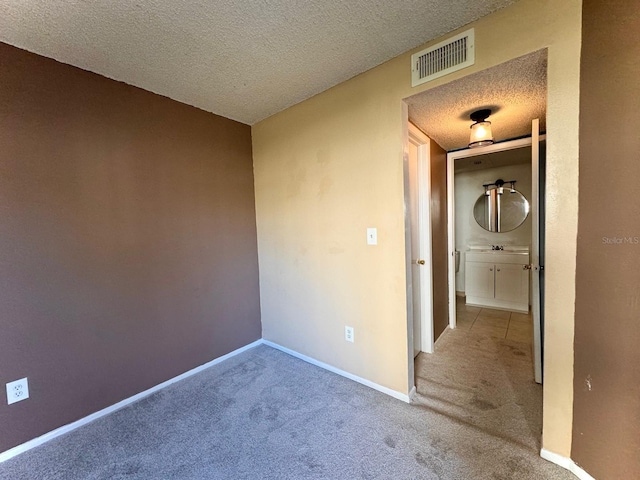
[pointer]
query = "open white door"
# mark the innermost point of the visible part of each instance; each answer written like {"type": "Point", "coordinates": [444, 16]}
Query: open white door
{"type": "Point", "coordinates": [451, 239]}
{"type": "Point", "coordinates": [419, 194]}
{"type": "Point", "coordinates": [535, 250]}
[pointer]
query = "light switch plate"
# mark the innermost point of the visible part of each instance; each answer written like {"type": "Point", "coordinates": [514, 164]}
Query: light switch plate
{"type": "Point", "coordinates": [372, 236]}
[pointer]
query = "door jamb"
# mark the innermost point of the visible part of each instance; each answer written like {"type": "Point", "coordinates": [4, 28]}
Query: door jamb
{"type": "Point", "coordinates": [411, 381]}
{"type": "Point", "coordinates": [422, 142]}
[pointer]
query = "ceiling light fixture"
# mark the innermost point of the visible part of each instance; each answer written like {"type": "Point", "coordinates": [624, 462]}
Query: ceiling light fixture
{"type": "Point", "coordinates": [480, 130]}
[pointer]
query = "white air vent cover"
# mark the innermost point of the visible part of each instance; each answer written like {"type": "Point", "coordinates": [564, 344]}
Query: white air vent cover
{"type": "Point", "coordinates": [446, 57]}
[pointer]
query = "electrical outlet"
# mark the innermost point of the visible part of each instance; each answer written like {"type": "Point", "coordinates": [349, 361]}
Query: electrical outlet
{"type": "Point", "coordinates": [17, 391]}
{"type": "Point", "coordinates": [348, 334]}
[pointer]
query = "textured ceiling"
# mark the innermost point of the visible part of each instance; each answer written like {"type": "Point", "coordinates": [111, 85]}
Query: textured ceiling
{"type": "Point", "coordinates": [244, 60]}
{"type": "Point", "coordinates": [516, 92]}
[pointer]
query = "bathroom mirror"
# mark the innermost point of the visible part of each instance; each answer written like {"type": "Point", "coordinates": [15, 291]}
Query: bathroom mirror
{"type": "Point", "coordinates": [501, 212]}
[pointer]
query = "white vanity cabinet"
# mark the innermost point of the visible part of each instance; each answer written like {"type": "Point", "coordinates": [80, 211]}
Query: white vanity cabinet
{"type": "Point", "coordinates": [497, 279]}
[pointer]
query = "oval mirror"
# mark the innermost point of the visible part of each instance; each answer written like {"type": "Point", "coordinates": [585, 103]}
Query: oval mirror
{"type": "Point", "coordinates": [501, 213]}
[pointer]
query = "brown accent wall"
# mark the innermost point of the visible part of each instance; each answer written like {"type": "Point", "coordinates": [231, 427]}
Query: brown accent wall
{"type": "Point", "coordinates": [127, 241]}
{"type": "Point", "coordinates": [606, 421]}
{"type": "Point", "coordinates": [439, 243]}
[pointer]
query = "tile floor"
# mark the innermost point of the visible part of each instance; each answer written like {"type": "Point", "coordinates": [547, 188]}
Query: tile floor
{"type": "Point", "coordinates": [496, 323]}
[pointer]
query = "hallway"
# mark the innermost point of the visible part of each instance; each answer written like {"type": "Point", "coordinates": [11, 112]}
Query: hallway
{"type": "Point", "coordinates": [483, 382]}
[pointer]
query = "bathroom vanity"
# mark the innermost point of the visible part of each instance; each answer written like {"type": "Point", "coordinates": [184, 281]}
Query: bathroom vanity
{"type": "Point", "coordinates": [497, 276]}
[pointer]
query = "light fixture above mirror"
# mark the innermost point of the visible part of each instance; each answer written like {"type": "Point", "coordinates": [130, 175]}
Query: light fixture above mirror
{"type": "Point", "coordinates": [481, 134]}
{"type": "Point", "coordinates": [499, 186]}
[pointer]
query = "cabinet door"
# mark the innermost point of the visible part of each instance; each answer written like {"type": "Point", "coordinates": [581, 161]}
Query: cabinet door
{"type": "Point", "coordinates": [479, 279]}
{"type": "Point", "coordinates": [512, 283]}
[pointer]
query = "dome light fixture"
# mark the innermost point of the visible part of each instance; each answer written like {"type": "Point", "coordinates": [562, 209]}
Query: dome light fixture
{"type": "Point", "coordinates": [481, 134]}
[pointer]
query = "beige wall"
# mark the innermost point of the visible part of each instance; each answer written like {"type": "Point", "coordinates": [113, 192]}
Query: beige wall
{"type": "Point", "coordinates": [329, 167]}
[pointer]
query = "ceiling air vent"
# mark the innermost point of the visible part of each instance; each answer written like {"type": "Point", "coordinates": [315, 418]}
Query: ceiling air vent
{"type": "Point", "coordinates": [446, 57]}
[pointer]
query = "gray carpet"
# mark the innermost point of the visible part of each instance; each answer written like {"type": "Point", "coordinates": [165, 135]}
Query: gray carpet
{"type": "Point", "coordinates": [266, 415]}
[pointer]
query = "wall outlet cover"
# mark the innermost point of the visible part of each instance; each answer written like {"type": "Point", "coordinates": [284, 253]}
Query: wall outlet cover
{"type": "Point", "coordinates": [349, 334]}
{"type": "Point", "coordinates": [17, 391]}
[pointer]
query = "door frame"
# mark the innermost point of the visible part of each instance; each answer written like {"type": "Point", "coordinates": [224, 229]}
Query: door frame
{"type": "Point", "coordinates": [407, 247]}
{"type": "Point", "coordinates": [423, 144]}
{"type": "Point", "coordinates": [451, 208]}
{"type": "Point", "coordinates": [533, 142]}
{"type": "Point", "coordinates": [534, 260]}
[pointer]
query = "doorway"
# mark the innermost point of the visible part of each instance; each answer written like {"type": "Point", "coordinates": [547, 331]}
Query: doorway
{"type": "Point", "coordinates": [495, 274]}
{"type": "Point", "coordinates": [419, 178]}
{"type": "Point", "coordinates": [474, 376]}
{"type": "Point", "coordinates": [427, 170]}
{"type": "Point", "coordinates": [516, 93]}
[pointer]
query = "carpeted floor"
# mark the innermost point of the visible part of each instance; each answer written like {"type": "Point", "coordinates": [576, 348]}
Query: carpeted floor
{"type": "Point", "coordinates": [266, 415]}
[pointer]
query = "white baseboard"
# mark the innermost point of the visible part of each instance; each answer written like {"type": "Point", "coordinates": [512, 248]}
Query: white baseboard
{"type": "Point", "coordinates": [4, 456]}
{"type": "Point", "coordinates": [412, 393]}
{"type": "Point", "coordinates": [565, 463]}
{"type": "Point", "coordinates": [400, 396]}
{"type": "Point", "coordinates": [127, 401]}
